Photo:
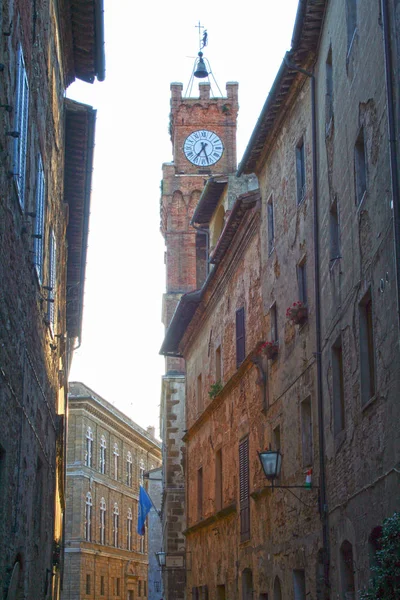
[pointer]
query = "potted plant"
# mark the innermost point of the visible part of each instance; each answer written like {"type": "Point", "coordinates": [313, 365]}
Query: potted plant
{"type": "Point", "coordinates": [270, 349]}
{"type": "Point", "coordinates": [297, 312]}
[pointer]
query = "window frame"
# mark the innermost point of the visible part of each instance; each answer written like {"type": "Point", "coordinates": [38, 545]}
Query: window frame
{"type": "Point", "coordinates": [38, 240]}
{"type": "Point", "coordinates": [20, 143]}
{"type": "Point", "coordinates": [52, 278]}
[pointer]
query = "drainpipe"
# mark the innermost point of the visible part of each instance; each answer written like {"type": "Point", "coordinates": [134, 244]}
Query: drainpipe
{"type": "Point", "coordinates": [392, 147]}
{"type": "Point", "coordinates": [323, 507]}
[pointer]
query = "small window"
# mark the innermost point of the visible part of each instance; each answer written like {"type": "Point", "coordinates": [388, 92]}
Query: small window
{"type": "Point", "coordinates": [88, 584]}
{"type": "Point", "coordinates": [274, 323]}
{"type": "Point", "coordinates": [116, 524]}
{"type": "Point", "coordinates": [244, 490]}
{"type": "Point", "coordinates": [51, 312]}
{"type": "Point", "coordinates": [116, 460]}
{"type": "Point", "coordinates": [218, 364]}
{"type": "Point", "coordinates": [300, 172]}
{"type": "Point", "coordinates": [129, 529]}
{"type": "Point", "coordinates": [139, 588]}
{"type": "Point", "coordinates": [347, 570]}
{"type": "Point", "coordinates": [141, 472]}
{"type": "Point", "coordinates": [39, 221]}
{"type": "Point", "coordinates": [129, 469]}
{"type": "Point", "coordinates": [89, 447]}
{"type": "Point", "coordinates": [117, 586]}
{"type": "Point", "coordinates": [338, 387]}
{"type": "Point", "coordinates": [102, 586]}
{"type": "Point", "coordinates": [21, 126]}
{"type": "Point", "coordinates": [306, 432]}
{"type": "Point", "coordinates": [329, 91]}
{"type": "Point", "coordinates": [144, 588]}
{"type": "Point", "coordinates": [271, 224]}
{"type": "Point", "coordinates": [351, 16]}
{"type": "Point", "coordinates": [360, 165]}
{"type": "Point", "coordinates": [199, 393]}
{"type": "Point", "coordinates": [302, 281]}
{"type": "Point", "coordinates": [367, 353]}
{"type": "Point", "coordinates": [240, 337]}
{"type": "Point", "coordinates": [299, 584]}
{"type": "Point", "coordinates": [103, 447]}
{"type": "Point", "coordinates": [218, 480]}
{"type": "Point", "coordinates": [221, 595]}
{"type": "Point", "coordinates": [200, 494]}
{"type": "Point", "coordinates": [334, 231]}
{"type": "Point", "coordinates": [88, 517]}
{"type": "Point", "coordinates": [102, 521]}
{"type": "Point", "coordinates": [276, 436]}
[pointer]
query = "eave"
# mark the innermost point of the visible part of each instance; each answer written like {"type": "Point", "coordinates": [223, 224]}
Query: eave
{"type": "Point", "coordinates": [79, 144]}
{"type": "Point", "coordinates": [209, 199]}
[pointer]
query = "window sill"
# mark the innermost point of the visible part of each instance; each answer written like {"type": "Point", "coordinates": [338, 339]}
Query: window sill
{"type": "Point", "coordinates": [221, 514]}
{"type": "Point", "coordinates": [369, 403]}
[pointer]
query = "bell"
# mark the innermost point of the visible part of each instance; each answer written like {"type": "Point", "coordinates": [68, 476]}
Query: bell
{"type": "Point", "coordinates": [201, 70]}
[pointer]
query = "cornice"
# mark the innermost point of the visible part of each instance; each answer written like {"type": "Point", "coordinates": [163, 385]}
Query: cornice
{"type": "Point", "coordinates": [103, 482]}
{"type": "Point", "coordinates": [215, 518]}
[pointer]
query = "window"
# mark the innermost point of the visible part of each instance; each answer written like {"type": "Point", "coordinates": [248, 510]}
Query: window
{"type": "Point", "coordinates": [218, 364]}
{"type": "Point", "coordinates": [200, 494]}
{"type": "Point", "coordinates": [89, 447]}
{"type": "Point", "coordinates": [129, 469]}
{"type": "Point", "coordinates": [141, 544]}
{"type": "Point", "coordinates": [130, 594]}
{"type": "Point", "coordinates": [218, 480]}
{"type": "Point", "coordinates": [199, 393]}
{"type": "Point", "coordinates": [21, 126]}
{"type": "Point", "coordinates": [329, 91]}
{"type": "Point", "coordinates": [277, 589]}
{"type": "Point", "coordinates": [88, 517]}
{"type": "Point", "coordinates": [338, 387]}
{"type": "Point", "coordinates": [367, 356]}
{"type": "Point", "coordinates": [271, 224]}
{"type": "Point", "coordinates": [102, 586]}
{"type": "Point", "coordinates": [306, 432]}
{"type": "Point", "coordinates": [116, 524]}
{"type": "Point", "coordinates": [300, 171]}
{"type": "Point", "coordinates": [299, 584]}
{"type": "Point", "coordinates": [347, 570]}
{"type": "Point", "coordinates": [244, 490]}
{"type": "Point", "coordinates": [129, 529]}
{"type": "Point", "coordinates": [240, 337]}
{"type": "Point", "coordinates": [144, 588]}
{"type": "Point", "coordinates": [39, 221]}
{"type": "Point", "coordinates": [334, 231]}
{"type": "Point", "coordinates": [276, 437]}
{"type": "Point", "coordinates": [351, 14]}
{"type": "Point", "coordinates": [117, 586]}
{"type": "Point", "coordinates": [102, 521]}
{"type": "Point", "coordinates": [360, 166]}
{"type": "Point", "coordinates": [221, 592]}
{"type": "Point", "coordinates": [374, 546]}
{"type": "Point", "coordinates": [273, 323]}
{"type": "Point", "coordinates": [247, 584]}
{"type": "Point", "coordinates": [302, 281]}
{"type": "Point", "coordinates": [141, 472]}
{"type": "Point", "coordinates": [51, 313]}
{"type": "Point", "coordinates": [203, 592]}
{"type": "Point", "coordinates": [139, 588]}
{"type": "Point", "coordinates": [116, 457]}
{"type": "Point", "coordinates": [88, 584]}
{"type": "Point", "coordinates": [103, 446]}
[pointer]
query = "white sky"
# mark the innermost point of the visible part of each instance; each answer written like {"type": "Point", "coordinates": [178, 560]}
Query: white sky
{"type": "Point", "coordinates": [148, 45]}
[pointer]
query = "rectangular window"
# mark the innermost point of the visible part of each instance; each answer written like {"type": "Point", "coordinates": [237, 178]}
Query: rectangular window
{"type": "Point", "coordinates": [300, 171]}
{"type": "Point", "coordinates": [117, 586]}
{"type": "Point", "coordinates": [244, 490]}
{"type": "Point", "coordinates": [306, 432]}
{"type": "Point", "coordinates": [144, 588]}
{"type": "Point", "coordinates": [273, 315]}
{"type": "Point", "coordinates": [360, 166]}
{"type": "Point", "coordinates": [21, 127]}
{"type": "Point", "coordinates": [240, 337]}
{"type": "Point", "coordinates": [334, 231]}
{"type": "Point", "coordinates": [218, 480]}
{"type": "Point", "coordinates": [195, 593]}
{"type": "Point", "coordinates": [130, 594]}
{"type": "Point", "coordinates": [102, 586]}
{"type": "Point", "coordinates": [271, 224]}
{"type": "Point", "coordinates": [367, 354]}
{"type": "Point", "coordinates": [302, 281]}
{"type": "Point", "coordinates": [87, 584]}
{"type": "Point", "coordinates": [204, 592]}
{"type": "Point", "coordinates": [299, 584]}
{"type": "Point", "coordinates": [329, 92]}
{"type": "Point", "coordinates": [199, 394]}
{"type": "Point", "coordinates": [39, 221]}
{"type": "Point", "coordinates": [351, 15]}
{"type": "Point", "coordinates": [218, 364]}
{"type": "Point", "coordinates": [200, 494]}
{"type": "Point", "coordinates": [139, 588]}
{"type": "Point", "coordinates": [221, 592]}
{"type": "Point", "coordinates": [338, 386]}
{"type": "Point", "coordinates": [52, 281]}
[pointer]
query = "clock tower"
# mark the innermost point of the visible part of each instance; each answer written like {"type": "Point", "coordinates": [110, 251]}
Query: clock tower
{"type": "Point", "coordinates": [203, 136]}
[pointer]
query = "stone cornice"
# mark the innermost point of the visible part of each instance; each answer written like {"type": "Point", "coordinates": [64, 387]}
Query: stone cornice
{"type": "Point", "coordinates": [215, 518]}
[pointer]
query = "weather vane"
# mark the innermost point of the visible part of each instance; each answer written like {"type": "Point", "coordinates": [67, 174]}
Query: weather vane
{"type": "Point", "coordinates": [201, 68]}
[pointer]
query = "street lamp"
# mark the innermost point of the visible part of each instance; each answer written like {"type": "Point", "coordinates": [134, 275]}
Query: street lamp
{"type": "Point", "coordinates": [161, 558]}
{"type": "Point", "coordinates": [271, 462]}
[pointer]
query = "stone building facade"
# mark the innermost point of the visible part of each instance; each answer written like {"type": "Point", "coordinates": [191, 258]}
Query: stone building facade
{"type": "Point", "coordinates": [155, 583]}
{"type": "Point", "coordinates": [186, 266]}
{"type": "Point", "coordinates": [46, 147]}
{"type": "Point", "coordinates": [108, 456]}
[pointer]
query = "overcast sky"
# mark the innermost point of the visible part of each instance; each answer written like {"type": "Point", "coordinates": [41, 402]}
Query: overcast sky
{"type": "Point", "coordinates": [148, 46]}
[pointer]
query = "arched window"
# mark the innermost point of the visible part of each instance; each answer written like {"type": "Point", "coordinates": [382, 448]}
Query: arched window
{"type": "Point", "coordinates": [141, 472]}
{"type": "Point", "coordinates": [88, 517]}
{"type": "Point", "coordinates": [129, 469]}
{"type": "Point", "coordinates": [129, 529]}
{"type": "Point", "coordinates": [347, 570]}
{"type": "Point", "coordinates": [116, 524]}
{"type": "Point", "coordinates": [247, 584]}
{"type": "Point", "coordinates": [116, 457]}
{"type": "Point", "coordinates": [277, 589]}
{"type": "Point", "coordinates": [89, 447]}
{"type": "Point", "coordinates": [102, 521]}
{"type": "Point", "coordinates": [103, 446]}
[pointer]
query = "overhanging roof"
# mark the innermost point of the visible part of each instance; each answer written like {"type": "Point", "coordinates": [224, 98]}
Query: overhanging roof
{"type": "Point", "coordinates": [209, 199]}
{"type": "Point", "coordinates": [79, 144]}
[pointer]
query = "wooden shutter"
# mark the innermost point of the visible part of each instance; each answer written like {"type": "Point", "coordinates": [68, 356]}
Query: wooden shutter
{"type": "Point", "coordinates": [52, 280]}
{"type": "Point", "coordinates": [240, 337]}
{"type": "Point", "coordinates": [244, 489]}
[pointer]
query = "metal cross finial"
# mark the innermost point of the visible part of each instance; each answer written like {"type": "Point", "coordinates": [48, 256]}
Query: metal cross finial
{"type": "Point", "coordinates": [202, 38]}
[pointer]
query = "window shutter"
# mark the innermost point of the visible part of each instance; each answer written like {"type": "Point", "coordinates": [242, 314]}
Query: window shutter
{"type": "Point", "coordinates": [39, 221]}
{"type": "Point", "coordinates": [244, 488]}
{"type": "Point", "coordinates": [52, 280]}
{"type": "Point", "coordinates": [21, 126]}
{"type": "Point", "coordinates": [240, 337]}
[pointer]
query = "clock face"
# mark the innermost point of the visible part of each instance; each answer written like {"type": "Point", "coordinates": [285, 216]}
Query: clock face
{"type": "Point", "coordinates": [203, 148]}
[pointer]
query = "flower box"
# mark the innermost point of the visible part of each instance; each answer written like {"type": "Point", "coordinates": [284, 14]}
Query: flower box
{"type": "Point", "coordinates": [270, 349]}
{"type": "Point", "coordinates": [297, 313]}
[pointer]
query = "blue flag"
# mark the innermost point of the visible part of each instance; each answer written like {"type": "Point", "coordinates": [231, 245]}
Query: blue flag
{"type": "Point", "coordinates": [144, 507]}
